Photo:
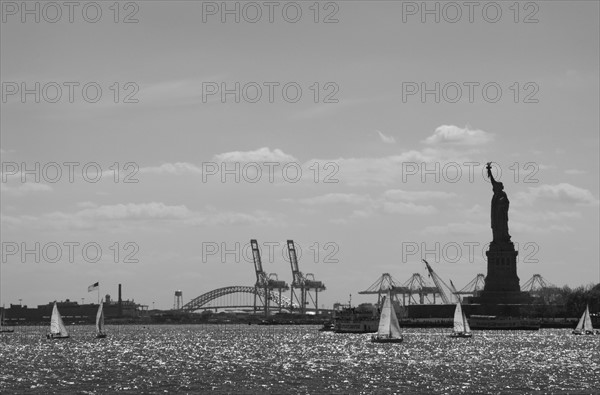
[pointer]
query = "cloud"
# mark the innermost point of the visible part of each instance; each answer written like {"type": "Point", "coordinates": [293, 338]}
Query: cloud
{"type": "Point", "coordinates": [390, 202]}
{"type": "Point", "coordinates": [131, 215]}
{"type": "Point", "coordinates": [529, 228]}
{"type": "Point", "coordinates": [386, 139]}
{"type": "Point", "coordinates": [399, 194]}
{"type": "Point", "coordinates": [530, 216]}
{"type": "Point", "coordinates": [178, 92]}
{"type": "Point", "coordinates": [564, 192]}
{"type": "Point", "coordinates": [24, 188]}
{"type": "Point", "coordinates": [575, 172]}
{"type": "Point", "coordinates": [131, 211]}
{"type": "Point", "coordinates": [476, 210]}
{"type": "Point", "coordinates": [176, 168]}
{"type": "Point", "coordinates": [469, 228]}
{"type": "Point", "coordinates": [407, 166]}
{"type": "Point", "coordinates": [336, 198]}
{"type": "Point", "coordinates": [255, 218]}
{"type": "Point", "coordinates": [263, 154]}
{"type": "Point", "coordinates": [407, 208]}
{"type": "Point", "coordinates": [450, 134]}
{"type": "Point", "coordinates": [92, 216]}
{"type": "Point", "coordinates": [374, 171]}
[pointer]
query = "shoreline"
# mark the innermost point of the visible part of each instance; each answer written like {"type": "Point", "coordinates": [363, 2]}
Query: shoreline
{"type": "Point", "coordinates": [430, 323]}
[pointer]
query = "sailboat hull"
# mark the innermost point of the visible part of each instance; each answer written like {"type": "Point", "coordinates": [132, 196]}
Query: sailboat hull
{"type": "Point", "coordinates": [100, 335]}
{"type": "Point", "coordinates": [7, 330]}
{"type": "Point", "coordinates": [56, 336]}
{"type": "Point", "coordinates": [576, 332]}
{"type": "Point", "coordinates": [378, 339]}
{"type": "Point", "coordinates": [461, 334]}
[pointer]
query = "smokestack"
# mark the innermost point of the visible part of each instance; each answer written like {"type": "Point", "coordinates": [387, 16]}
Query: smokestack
{"type": "Point", "coordinates": [120, 302]}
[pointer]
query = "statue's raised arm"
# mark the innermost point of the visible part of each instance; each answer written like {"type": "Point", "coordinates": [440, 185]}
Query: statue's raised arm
{"type": "Point", "coordinates": [489, 173]}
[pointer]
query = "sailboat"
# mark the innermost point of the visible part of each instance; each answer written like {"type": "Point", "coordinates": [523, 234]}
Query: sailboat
{"type": "Point", "coordinates": [584, 327]}
{"type": "Point", "coordinates": [461, 325]}
{"type": "Point", "coordinates": [57, 327]}
{"type": "Point", "coordinates": [100, 323]}
{"type": "Point", "coordinates": [2, 328]}
{"type": "Point", "coordinates": [389, 328]}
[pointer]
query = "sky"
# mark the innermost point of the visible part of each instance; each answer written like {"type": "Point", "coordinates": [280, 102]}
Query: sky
{"type": "Point", "coordinates": [359, 129]}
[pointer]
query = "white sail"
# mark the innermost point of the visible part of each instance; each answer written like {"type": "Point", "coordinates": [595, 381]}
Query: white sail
{"type": "Point", "coordinates": [459, 324]}
{"type": "Point", "coordinates": [385, 318]}
{"type": "Point", "coordinates": [587, 321]}
{"type": "Point", "coordinates": [466, 323]}
{"type": "Point", "coordinates": [388, 321]}
{"type": "Point", "coordinates": [56, 323]}
{"type": "Point", "coordinates": [394, 324]}
{"type": "Point", "coordinates": [579, 326]}
{"type": "Point", "coordinates": [100, 319]}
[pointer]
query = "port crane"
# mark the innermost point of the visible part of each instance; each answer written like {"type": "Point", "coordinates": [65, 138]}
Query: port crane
{"type": "Point", "coordinates": [265, 284]}
{"type": "Point", "coordinates": [539, 287]}
{"type": "Point", "coordinates": [438, 283]}
{"type": "Point", "coordinates": [302, 285]}
{"type": "Point", "coordinates": [383, 284]}
{"type": "Point", "coordinates": [474, 287]}
{"type": "Point", "coordinates": [535, 284]}
{"type": "Point", "coordinates": [416, 285]}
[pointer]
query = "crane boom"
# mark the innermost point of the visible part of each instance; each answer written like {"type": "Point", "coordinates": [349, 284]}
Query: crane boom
{"type": "Point", "coordinates": [437, 282]}
{"type": "Point", "coordinates": [261, 277]}
{"type": "Point", "coordinates": [296, 274]}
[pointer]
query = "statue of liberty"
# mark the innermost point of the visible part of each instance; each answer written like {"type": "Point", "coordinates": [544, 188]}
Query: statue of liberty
{"type": "Point", "coordinates": [499, 212]}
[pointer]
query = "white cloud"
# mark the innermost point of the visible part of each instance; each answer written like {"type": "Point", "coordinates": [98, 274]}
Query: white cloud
{"type": "Point", "coordinates": [408, 208]}
{"type": "Point", "coordinates": [399, 194]}
{"type": "Point", "coordinates": [263, 154]}
{"type": "Point", "coordinates": [120, 216]}
{"type": "Point", "coordinates": [564, 192]}
{"type": "Point", "coordinates": [450, 134]}
{"type": "Point", "coordinates": [24, 188]}
{"type": "Point", "coordinates": [408, 166]}
{"type": "Point", "coordinates": [375, 171]}
{"type": "Point", "coordinates": [529, 216]}
{"type": "Point", "coordinates": [212, 217]}
{"type": "Point", "coordinates": [390, 203]}
{"type": "Point", "coordinates": [385, 138]}
{"type": "Point", "coordinates": [469, 228]}
{"type": "Point", "coordinates": [176, 168]}
{"type": "Point", "coordinates": [336, 198]}
{"type": "Point", "coordinates": [476, 210]}
{"type": "Point", "coordinates": [521, 227]}
{"type": "Point", "coordinates": [178, 92]}
{"type": "Point", "coordinates": [575, 172]}
{"type": "Point", "coordinates": [132, 211]}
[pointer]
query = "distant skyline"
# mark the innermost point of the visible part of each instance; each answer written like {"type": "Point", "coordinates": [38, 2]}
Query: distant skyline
{"type": "Point", "coordinates": [389, 120]}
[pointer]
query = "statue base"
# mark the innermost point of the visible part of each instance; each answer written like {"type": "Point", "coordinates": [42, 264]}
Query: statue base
{"type": "Point", "coordinates": [502, 283]}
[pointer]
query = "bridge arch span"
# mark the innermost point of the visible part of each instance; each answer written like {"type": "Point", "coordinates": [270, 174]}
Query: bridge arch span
{"type": "Point", "coordinates": [202, 302]}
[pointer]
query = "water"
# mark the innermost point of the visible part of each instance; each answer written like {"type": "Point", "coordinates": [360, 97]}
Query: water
{"type": "Point", "coordinates": [296, 359]}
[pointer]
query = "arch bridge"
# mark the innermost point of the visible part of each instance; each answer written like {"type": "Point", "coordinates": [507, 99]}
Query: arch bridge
{"type": "Point", "coordinates": [240, 297]}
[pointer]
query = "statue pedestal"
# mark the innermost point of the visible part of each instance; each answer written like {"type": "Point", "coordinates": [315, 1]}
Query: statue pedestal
{"type": "Point", "coordinates": [502, 282]}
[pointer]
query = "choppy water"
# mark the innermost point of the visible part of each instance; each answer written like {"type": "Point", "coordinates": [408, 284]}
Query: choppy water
{"type": "Point", "coordinates": [296, 359]}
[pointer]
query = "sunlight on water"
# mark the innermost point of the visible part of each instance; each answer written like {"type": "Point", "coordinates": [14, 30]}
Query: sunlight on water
{"type": "Point", "coordinates": [296, 359]}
